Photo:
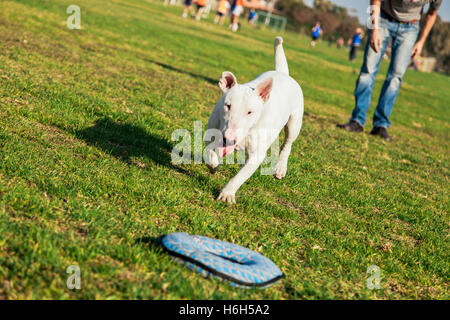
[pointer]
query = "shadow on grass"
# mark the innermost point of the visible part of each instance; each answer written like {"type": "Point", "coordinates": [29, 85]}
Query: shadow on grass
{"type": "Point", "coordinates": [125, 140]}
{"type": "Point", "coordinates": [194, 75]}
{"type": "Point", "coordinates": [154, 242]}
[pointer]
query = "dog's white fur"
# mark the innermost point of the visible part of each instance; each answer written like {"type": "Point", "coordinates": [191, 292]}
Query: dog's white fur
{"type": "Point", "coordinates": [264, 105]}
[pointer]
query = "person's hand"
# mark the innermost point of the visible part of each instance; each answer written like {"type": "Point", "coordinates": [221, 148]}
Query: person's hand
{"type": "Point", "coordinates": [375, 40]}
{"type": "Point", "coordinates": [417, 50]}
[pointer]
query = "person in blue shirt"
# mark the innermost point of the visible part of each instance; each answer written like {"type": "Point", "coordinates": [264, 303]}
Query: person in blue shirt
{"type": "Point", "coordinates": [252, 17]}
{"type": "Point", "coordinates": [356, 43]}
{"type": "Point", "coordinates": [316, 33]}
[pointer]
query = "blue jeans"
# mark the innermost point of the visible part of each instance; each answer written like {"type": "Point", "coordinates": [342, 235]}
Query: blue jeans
{"type": "Point", "coordinates": [403, 37]}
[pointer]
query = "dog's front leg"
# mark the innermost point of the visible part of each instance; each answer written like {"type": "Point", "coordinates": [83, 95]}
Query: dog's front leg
{"type": "Point", "coordinates": [211, 158]}
{"type": "Point", "coordinates": [229, 191]}
{"type": "Point", "coordinates": [213, 140]}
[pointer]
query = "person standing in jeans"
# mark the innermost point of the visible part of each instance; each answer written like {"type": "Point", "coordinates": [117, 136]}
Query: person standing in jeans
{"type": "Point", "coordinates": [397, 20]}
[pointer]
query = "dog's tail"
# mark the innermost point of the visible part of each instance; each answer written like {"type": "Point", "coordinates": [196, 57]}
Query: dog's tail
{"type": "Point", "coordinates": [281, 64]}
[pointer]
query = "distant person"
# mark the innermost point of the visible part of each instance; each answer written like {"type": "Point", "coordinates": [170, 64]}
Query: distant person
{"type": "Point", "coordinates": [188, 8]}
{"type": "Point", "coordinates": [316, 33]}
{"type": "Point", "coordinates": [331, 41]}
{"type": "Point", "coordinates": [399, 21]}
{"type": "Point", "coordinates": [200, 7]}
{"type": "Point", "coordinates": [222, 9]}
{"type": "Point", "coordinates": [356, 43]}
{"type": "Point", "coordinates": [349, 43]}
{"type": "Point", "coordinates": [416, 63]}
{"type": "Point", "coordinates": [237, 7]}
{"type": "Point", "coordinates": [252, 15]}
{"type": "Point", "coordinates": [340, 42]}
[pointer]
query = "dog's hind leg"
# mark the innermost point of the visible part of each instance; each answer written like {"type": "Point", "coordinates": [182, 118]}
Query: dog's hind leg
{"type": "Point", "coordinates": [291, 132]}
{"type": "Point", "coordinates": [280, 61]}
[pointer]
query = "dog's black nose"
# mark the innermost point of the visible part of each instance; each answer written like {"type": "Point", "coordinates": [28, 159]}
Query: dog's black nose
{"type": "Point", "coordinates": [228, 142]}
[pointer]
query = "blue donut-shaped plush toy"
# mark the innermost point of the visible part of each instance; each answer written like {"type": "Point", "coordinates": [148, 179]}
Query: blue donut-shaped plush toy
{"type": "Point", "coordinates": [239, 265]}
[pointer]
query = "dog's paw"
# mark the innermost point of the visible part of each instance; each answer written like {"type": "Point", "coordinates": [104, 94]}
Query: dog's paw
{"type": "Point", "coordinates": [213, 170]}
{"type": "Point", "coordinates": [227, 197]}
{"type": "Point", "coordinates": [212, 162]}
{"type": "Point", "coordinates": [280, 171]}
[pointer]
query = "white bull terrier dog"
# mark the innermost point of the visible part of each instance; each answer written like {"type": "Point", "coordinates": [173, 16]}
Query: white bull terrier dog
{"type": "Point", "coordinates": [250, 116]}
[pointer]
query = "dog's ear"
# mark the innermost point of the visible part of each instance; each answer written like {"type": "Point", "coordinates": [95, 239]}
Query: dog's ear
{"type": "Point", "coordinates": [227, 81]}
{"type": "Point", "coordinates": [264, 88]}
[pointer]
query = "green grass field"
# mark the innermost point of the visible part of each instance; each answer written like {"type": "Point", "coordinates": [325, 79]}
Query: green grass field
{"type": "Point", "coordinates": [86, 178]}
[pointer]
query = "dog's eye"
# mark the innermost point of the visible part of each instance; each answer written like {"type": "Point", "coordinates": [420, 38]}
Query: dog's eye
{"type": "Point", "coordinates": [249, 112]}
{"type": "Point", "coordinates": [228, 106]}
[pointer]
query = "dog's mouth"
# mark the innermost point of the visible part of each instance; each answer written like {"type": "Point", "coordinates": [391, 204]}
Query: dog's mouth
{"type": "Point", "coordinates": [226, 148]}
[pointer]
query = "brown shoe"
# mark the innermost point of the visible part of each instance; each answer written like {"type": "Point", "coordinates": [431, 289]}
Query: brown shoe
{"type": "Point", "coordinates": [352, 126]}
{"type": "Point", "coordinates": [382, 132]}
